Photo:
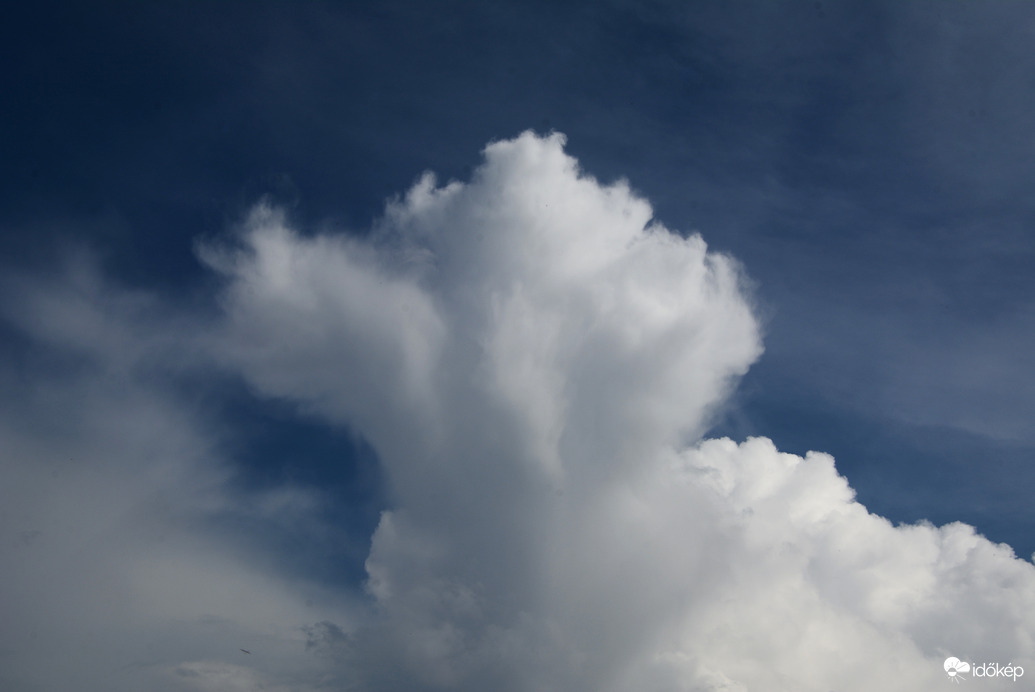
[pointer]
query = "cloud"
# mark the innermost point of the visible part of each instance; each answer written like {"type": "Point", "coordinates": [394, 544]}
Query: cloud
{"type": "Point", "coordinates": [535, 361]}
{"type": "Point", "coordinates": [120, 573]}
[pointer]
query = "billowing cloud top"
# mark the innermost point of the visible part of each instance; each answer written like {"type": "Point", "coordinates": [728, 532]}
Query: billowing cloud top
{"type": "Point", "coordinates": [534, 361]}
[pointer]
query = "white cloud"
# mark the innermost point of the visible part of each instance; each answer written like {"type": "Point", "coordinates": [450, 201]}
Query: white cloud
{"type": "Point", "coordinates": [534, 360]}
{"type": "Point", "coordinates": [530, 355]}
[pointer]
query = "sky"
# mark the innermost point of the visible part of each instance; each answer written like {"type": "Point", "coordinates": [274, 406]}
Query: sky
{"type": "Point", "coordinates": [516, 346]}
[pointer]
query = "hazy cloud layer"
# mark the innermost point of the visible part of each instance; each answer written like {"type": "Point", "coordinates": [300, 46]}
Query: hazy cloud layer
{"type": "Point", "coordinates": [534, 361]}
{"type": "Point", "coordinates": [120, 572]}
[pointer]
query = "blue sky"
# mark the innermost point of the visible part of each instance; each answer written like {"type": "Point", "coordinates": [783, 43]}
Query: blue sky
{"type": "Point", "coordinates": [867, 165]}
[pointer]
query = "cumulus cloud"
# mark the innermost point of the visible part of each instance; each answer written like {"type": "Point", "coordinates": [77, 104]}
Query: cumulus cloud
{"type": "Point", "coordinates": [535, 361]}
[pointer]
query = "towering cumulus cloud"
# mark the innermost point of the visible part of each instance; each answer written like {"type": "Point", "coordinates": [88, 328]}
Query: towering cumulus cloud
{"type": "Point", "coordinates": [535, 362]}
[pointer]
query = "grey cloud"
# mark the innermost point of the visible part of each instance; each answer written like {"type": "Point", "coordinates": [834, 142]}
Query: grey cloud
{"type": "Point", "coordinates": [112, 480]}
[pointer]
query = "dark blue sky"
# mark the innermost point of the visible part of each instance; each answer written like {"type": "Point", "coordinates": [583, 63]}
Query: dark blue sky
{"type": "Point", "coordinates": [870, 164]}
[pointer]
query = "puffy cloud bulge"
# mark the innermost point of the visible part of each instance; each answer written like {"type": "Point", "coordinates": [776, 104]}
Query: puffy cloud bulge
{"type": "Point", "coordinates": [534, 360]}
